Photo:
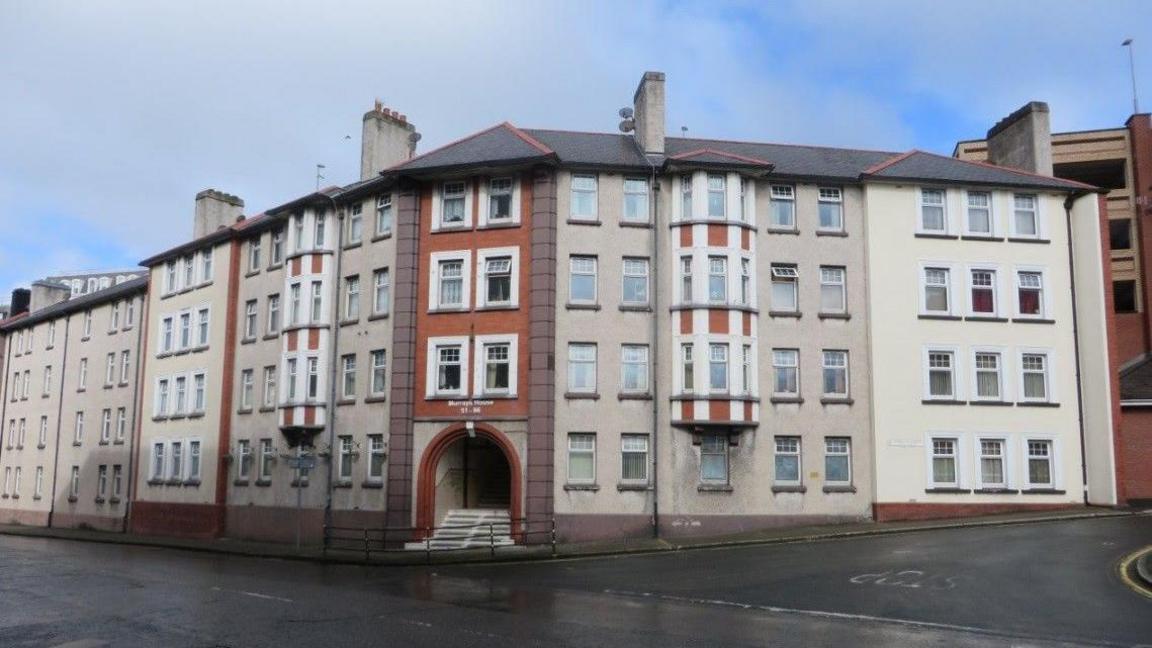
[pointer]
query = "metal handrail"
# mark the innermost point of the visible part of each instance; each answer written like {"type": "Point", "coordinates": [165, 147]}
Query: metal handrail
{"type": "Point", "coordinates": [369, 540]}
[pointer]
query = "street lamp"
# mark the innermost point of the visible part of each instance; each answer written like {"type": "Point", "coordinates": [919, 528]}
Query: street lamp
{"type": "Point", "coordinates": [1132, 68]}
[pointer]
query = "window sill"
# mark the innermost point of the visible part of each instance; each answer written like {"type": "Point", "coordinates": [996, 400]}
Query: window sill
{"type": "Point", "coordinates": [635, 308]}
{"type": "Point", "coordinates": [271, 336]}
{"type": "Point", "coordinates": [713, 221]}
{"type": "Point", "coordinates": [639, 224]}
{"type": "Point", "coordinates": [83, 339]}
{"type": "Point", "coordinates": [107, 386]}
{"type": "Point", "coordinates": [76, 444]}
{"type": "Point", "coordinates": [376, 399]}
{"type": "Point", "coordinates": [582, 395]}
{"type": "Point", "coordinates": [496, 307]}
{"type": "Point", "coordinates": [79, 390]}
{"type": "Point", "coordinates": [113, 500]}
{"type": "Point", "coordinates": [624, 487]}
{"type": "Point", "coordinates": [1017, 239]}
{"type": "Point", "coordinates": [244, 410]}
{"type": "Point", "coordinates": [1030, 320]}
{"type": "Point", "coordinates": [790, 488]}
{"type": "Point", "coordinates": [978, 237]}
{"type": "Point", "coordinates": [102, 442]}
{"type": "Point", "coordinates": [353, 245]}
{"type": "Point", "coordinates": [382, 237]}
{"type": "Point", "coordinates": [251, 273]}
{"type": "Point", "coordinates": [1042, 491]}
{"type": "Point", "coordinates": [495, 396]}
{"type": "Point", "coordinates": [174, 482]}
{"type": "Point", "coordinates": [345, 401]}
{"type": "Point", "coordinates": [995, 491]}
{"type": "Point", "coordinates": [445, 397]}
{"type": "Point", "coordinates": [1036, 404]}
{"type": "Point", "coordinates": [840, 489]}
{"type": "Point", "coordinates": [714, 488]}
{"type": "Point", "coordinates": [715, 305]}
{"type": "Point", "coordinates": [375, 485]}
{"type": "Point", "coordinates": [773, 230]}
{"type": "Point", "coordinates": [449, 309]}
{"type": "Point", "coordinates": [275, 265]}
{"type": "Point", "coordinates": [633, 396]}
{"type": "Point", "coordinates": [504, 224]}
{"type": "Point", "coordinates": [930, 235]}
{"type": "Point", "coordinates": [582, 487]}
{"type": "Point", "coordinates": [792, 314]}
{"type": "Point", "coordinates": [834, 316]}
{"type": "Point", "coordinates": [308, 325]}
{"type": "Point", "coordinates": [155, 482]}
{"type": "Point", "coordinates": [349, 322]}
{"type": "Point", "coordinates": [948, 489]}
{"type": "Point", "coordinates": [263, 482]}
{"type": "Point", "coordinates": [839, 233]}
{"type": "Point", "coordinates": [122, 383]}
{"type": "Point", "coordinates": [942, 401]}
{"type": "Point", "coordinates": [266, 409]}
{"type": "Point", "coordinates": [990, 403]}
{"type": "Point", "coordinates": [828, 400]}
{"type": "Point", "coordinates": [582, 221]}
{"type": "Point", "coordinates": [73, 499]}
{"type": "Point", "coordinates": [191, 482]}
{"type": "Point", "coordinates": [377, 316]}
{"type": "Point", "coordinates": [952, 318]}
{"type": "Point", "coordinates": [37, 498]}
{"type": "Point", "coordinates": [99, 500]}
{"type": "Point", "coordinates": [239, 482]}
{"type": "Point", "coordinates": [194, 415]}
{"type": "Point", "coordinates": [40, 446]}
{"type": "Point", "coordinates": [981, 318]}
{"type": "Point", "coordinates": [248, 340]}
{"type": "Point", "coordinates": [588, 307]}
{"type": "Point", "coordinates": [786, 400]}
{"type": "Point", "coordinates": [296, 483]}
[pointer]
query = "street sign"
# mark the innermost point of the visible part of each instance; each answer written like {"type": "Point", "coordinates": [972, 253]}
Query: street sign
{"type": "Point", "coordinates": [306, 463]}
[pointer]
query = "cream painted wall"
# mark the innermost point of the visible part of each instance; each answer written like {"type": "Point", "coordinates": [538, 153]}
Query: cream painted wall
{"type": "Point", "coordinates": [903, 424]}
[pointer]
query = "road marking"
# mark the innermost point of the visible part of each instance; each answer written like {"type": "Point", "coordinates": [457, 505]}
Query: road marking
{"type": "Point", "coordinates": [266, 597]}
{"type": "Point", "coordinates": [848, 616]}
{"type": "Point", "coordinates": [1125, 564]}
{"type": "Point", "coordinates": [911, 578]}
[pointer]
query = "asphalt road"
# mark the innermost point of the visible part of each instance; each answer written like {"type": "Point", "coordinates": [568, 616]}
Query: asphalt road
{"type": "Point", "coordinates": [1043, 584]}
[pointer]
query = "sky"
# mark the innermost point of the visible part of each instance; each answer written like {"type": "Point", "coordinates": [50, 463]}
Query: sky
{"type": "Point", "coordinates": [114, 114]}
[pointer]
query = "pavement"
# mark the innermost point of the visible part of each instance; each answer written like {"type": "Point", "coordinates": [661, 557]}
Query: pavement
{"type": "Point", "coordinates": [1028, 583]}
{"type": "Point", "coordinates": [238, 547]}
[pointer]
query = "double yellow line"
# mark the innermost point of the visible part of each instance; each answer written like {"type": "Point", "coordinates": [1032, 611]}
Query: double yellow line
{"type": "Point", "coordinates": [1137, 586]}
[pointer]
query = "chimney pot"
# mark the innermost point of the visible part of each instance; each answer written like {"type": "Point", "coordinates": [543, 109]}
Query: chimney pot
{"type": "Point", "coordinates": [1023, 140]}
{"type": "Point", "coordinates": [648, 113]}
{"type": "Point", "coordinates": [386, 141]}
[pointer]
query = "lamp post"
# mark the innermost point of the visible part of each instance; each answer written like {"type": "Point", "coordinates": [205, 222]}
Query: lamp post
{"type": "Point", "coordinates": [1132, 68]}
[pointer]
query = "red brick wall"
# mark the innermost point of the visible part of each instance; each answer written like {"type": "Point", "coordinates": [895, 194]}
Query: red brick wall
{"type": "Point", "coordinates": [1134, 456]}
{"type": "Point", "coordinates": [170, 519]}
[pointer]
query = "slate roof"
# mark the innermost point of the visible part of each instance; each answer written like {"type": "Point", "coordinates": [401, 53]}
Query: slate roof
{"type": "Point", "coordinates": [506, 143]}
{"type": "Point", "coordinates": [1136, 381]}
{"type": "Point", "coordinates": [919, 165]}
{"type": "Point", "coordinates": [79, 302]}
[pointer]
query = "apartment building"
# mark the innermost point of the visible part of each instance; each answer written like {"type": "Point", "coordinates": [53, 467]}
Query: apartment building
{"type": "Point", "coordinates": [69, 406]}
{"type": "Point", "coordinates": [1118, 160]}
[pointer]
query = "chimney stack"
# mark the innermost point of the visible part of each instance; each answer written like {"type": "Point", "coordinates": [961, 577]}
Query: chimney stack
{"type": "Point", "coordinates": [46, 293]}
{"type": "Point", "coordinates": [215, 209]}
{"type": "Point", "coordinates": [1023, 140]}
{"type": "Point", "coordinates": [388, 139]}
{"type": "Point", "coordinates": [21, 299]}
{"type": "Point", "coordinates": [648, 108]}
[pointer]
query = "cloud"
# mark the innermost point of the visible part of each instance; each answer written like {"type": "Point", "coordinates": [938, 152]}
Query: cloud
{"type": "Point", "coordinates": [126, 109]}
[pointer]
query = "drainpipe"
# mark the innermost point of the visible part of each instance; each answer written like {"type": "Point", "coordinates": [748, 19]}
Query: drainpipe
{"type": "Point", "coordinates": [7, 384]}
{"type": "Point", "coordinates": [59, 422]}
{"type": "Point", "coordinates": [1068, 202]}
{"type": "Point", "coordinates": [137, 378]}
{"type": "Point", "coordinates": [333, 375]}
{"type": "Point", "coordinates": [654, 191]}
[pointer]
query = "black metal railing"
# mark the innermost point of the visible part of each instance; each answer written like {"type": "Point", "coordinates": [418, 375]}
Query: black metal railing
{"type": "Point", "coordinates": [369, 541]}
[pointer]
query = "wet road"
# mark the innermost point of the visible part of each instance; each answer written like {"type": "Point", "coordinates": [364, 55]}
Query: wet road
{"type": "Point", "coordinates": [1029, 585]}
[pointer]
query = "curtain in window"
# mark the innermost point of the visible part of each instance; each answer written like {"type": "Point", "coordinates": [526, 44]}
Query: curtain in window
{"type": "Point", "coordinates": [1029, 302]}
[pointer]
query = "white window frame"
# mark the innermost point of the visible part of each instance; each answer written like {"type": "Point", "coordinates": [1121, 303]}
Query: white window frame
{"type": "Point", "coordinates": [957, 456]}
{"type": "Point", "coordinates": [105, 426]}
{"type": "Point", "coordinates": [198, 392]}
{"type": "Point", "coordinates": [779, 362]}
{"type": "Point", "coordinates": [1037, 213]}
{"type": "Point", "coordinates": [645, 368]}
{"type": "Point", "coordinates": [714, 359]}
{"type": "Point", "coordinates": [464, 258]}
{"type": "Point", "coordinates": [595, 191]}
{"type": "Point", "coordinates": [125, 366]}
{"type": "Point", "coordinates": [247, 385]}
{"type": "Point", "coordinates": [996, 301]}
{"type": "Point", "coordinates": [968, 207]}
{"type": "Point", "coordinates": [274, 319]}
{"type": "Point", "coordinates": [194, 453]}
{"type": "Point", "coordinates": [268, 398]}
{"type": "Point", "coordinates": [243, 459]}
{"type": "Point", "coordinates": [722, 275]}
{"type": "Point", "coordinates": [644, 217]}
{"type": "Point", "coordinates": [381, 389]}
{"type": "Point", "coordinates": [686, 281]}
{"type": "Point", "coordinates": [431, 388]}
{"type": "Point", "coordinates": [484, 255]}
{"type": "Point", "coordinates": [825, 367]}
{"type": "Point", "coordinates": [482, 342]}
{"type": "Point", "coordinates": [830, 196]}
{"type": "Point", "coordinates": [351, 298]}
{"type": "Point", "coordinates": [595, 362]}
{"type": "Point", "coordinates": [595, 274]}
{"type": "Point", "coordinates": [785, 273]}
{"type": "Point", "coordinates": [921, 203]}
{"type": "Point", "coordinates": [384, 206]}
{"type": "Point", "coordinates": [1045, 312]}
{"type": "Point", "coordinates": [1049, 373]}
{"type": "Point", "coordinates": [355, 231]}
{"type": "Point", "coordinates": [254, 255]}
{"type": "Point", "coordinates": [438, 206]}
{"type": "Point", "coordinates": [787, 446]}
{"type": "Point", "coordinates": [485, 215]}
{"type": "Point", "coordinates": [251, 317]}
{"type": "Point", "coordinates": [158, 468]}
{"type": "Point", "coordinates": [957, 371]}
{"type": "Point", "coordinates": [827, 281]}
{"type": "Point", "coordinates": [376, 447]}
{"type": "Point", "coordinates": [645, 275]}
{"type": "Point", "coordinates": [712, 191]}
{"type": "Point", "coordinates": [1005, 460]}
{"type": "Point", "coordinates": [582, 436]}
{"type": "Point", "coordinates": [1054, 470]}
{"type": "Point", "coordinates": [632, 443]}
{"type": "Point", "coordinates": [203, 326]}
{"type": "Point", "coordinates": [782, 195]}
{"type": "Point", "coordinates": [846, 453]}
{"type": "Point", "coordinates": [949, 285]}
{"type": "Point", "coordinates": [348, 371]}
{"type": "Point", "coordinates": [381, 285]}
{"type": "Point", "coordinates": [722, 440]}
{"type": "Point", "coordinates": [687, 374]}
{"type": "Point", "coordinates": [121, 425]}
{"type": "Point", "coordinates": [974, 385]}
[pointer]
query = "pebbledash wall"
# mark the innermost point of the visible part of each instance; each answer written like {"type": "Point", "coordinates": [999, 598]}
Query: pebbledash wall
{"type": "Point", "coordinates": [69, 409]}
{"type": "Point", "coordinates": [697, 337]}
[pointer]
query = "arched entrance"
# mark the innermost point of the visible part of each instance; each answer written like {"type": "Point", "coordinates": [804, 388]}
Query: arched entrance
{"type": "Point", "coordinates": [463, 468]}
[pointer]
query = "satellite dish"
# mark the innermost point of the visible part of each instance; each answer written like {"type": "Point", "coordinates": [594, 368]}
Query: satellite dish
{"type": "Point", "coordinates": [627, 126]}
{"type": "Point", "coordinates": [413, 138]}
{"type": "Point", "coordinates": [626, 113]}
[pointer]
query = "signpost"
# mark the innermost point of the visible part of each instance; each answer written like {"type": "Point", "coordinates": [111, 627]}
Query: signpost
{"type": "Point", "coordinates": [302, 463]}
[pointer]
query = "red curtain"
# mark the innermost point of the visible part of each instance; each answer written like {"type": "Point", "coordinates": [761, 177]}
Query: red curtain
{"type": "Point", "coordinates": [1029, 302]}
{"type": "Point", "coordinates": [982, 300]}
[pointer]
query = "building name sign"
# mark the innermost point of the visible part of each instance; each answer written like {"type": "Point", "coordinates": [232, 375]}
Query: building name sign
{"type": "Point", "coordinates": [470, 406]}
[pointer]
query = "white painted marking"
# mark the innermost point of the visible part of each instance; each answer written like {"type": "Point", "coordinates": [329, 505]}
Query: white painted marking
{"type": "Point", "coordinates": [267, 597]}
{"type": "Point", "coordinates": [911, 578]}
{"type": "Point", "coordinates": [846, 616]}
